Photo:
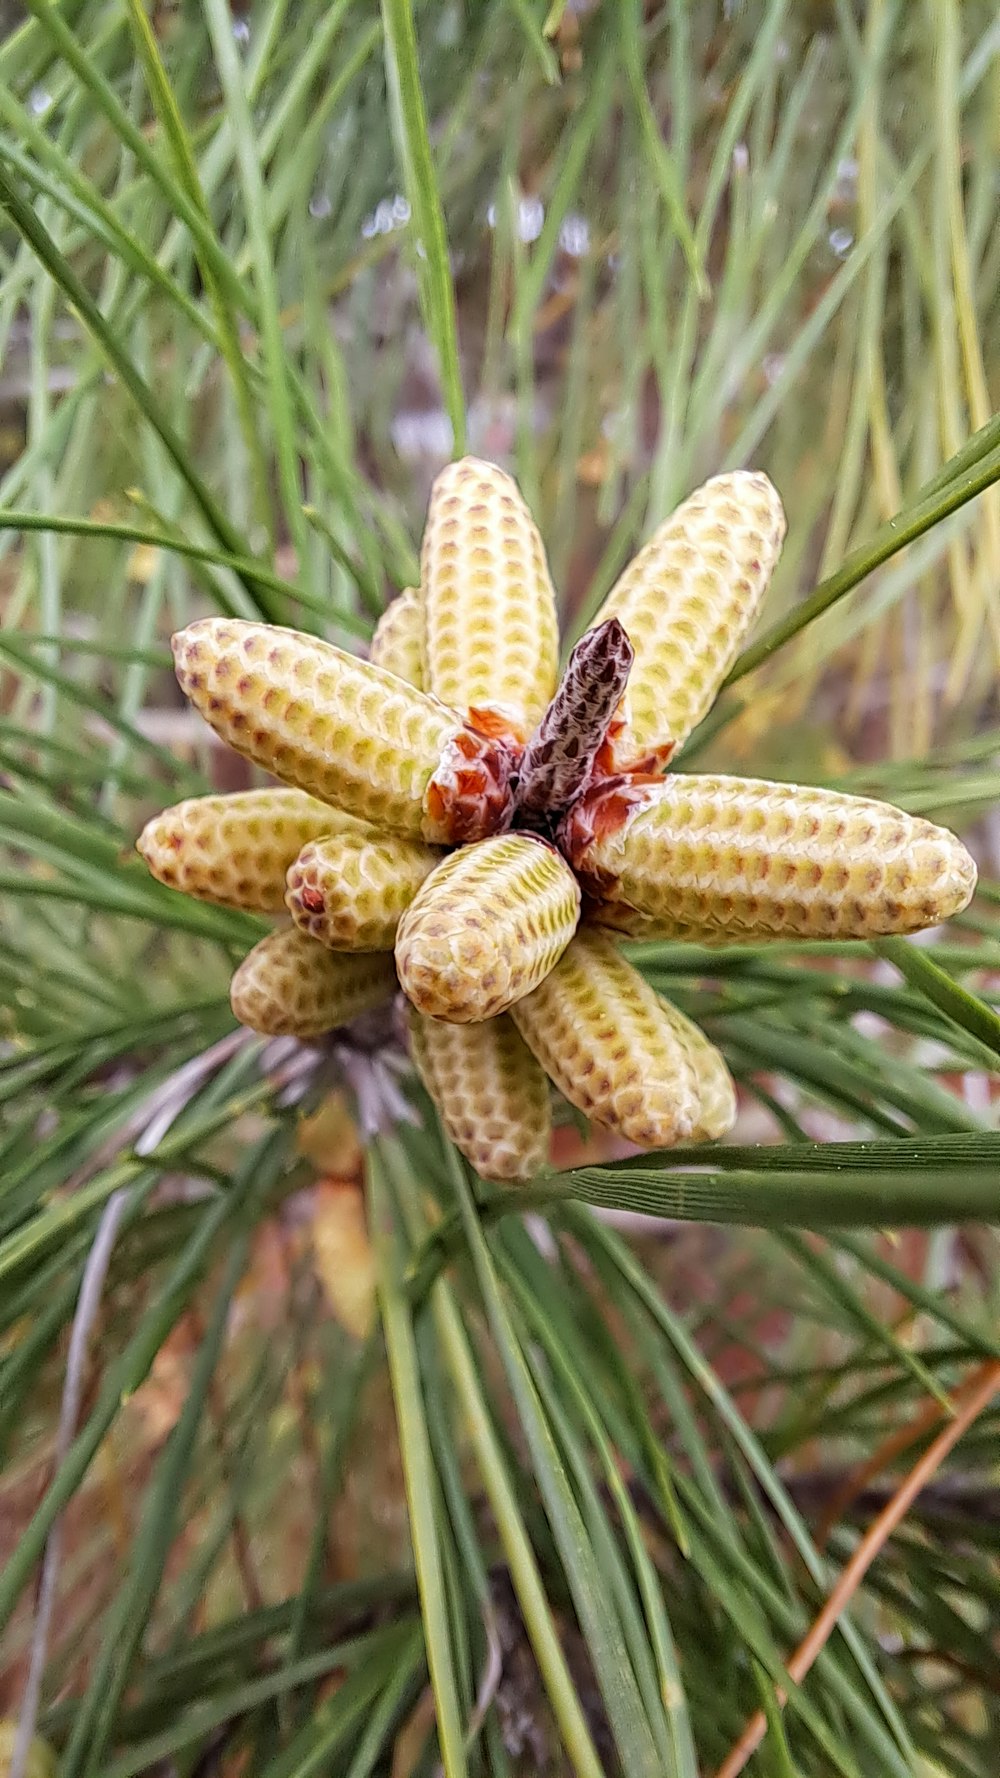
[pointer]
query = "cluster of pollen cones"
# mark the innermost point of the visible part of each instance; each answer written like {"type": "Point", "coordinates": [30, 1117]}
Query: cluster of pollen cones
{"type": "Point", "coordinates": [455, 822]}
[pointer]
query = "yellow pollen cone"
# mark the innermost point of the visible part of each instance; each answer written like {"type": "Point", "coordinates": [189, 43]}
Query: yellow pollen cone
{"type": "Point", "coordinates": [291, 986]}
{"type": "Point", "coordinates": [234, 850]}
{"type": "Point", "coordinates": [485, 928]}
{"type": "Point", "coordinates": [611, 1046]}
{"type": "Point", "coordinates": [351, 890]}
{"type": "Point", "coordinates": [345, 1262]}
{"type": "Point", "coordinates": [491, 632]}
{"type": "Point", "coordinates": [341, 728]}
{"type": "Point", "coordinates": [687, 601]}
{"type": "Point", "coordinates": [714, 1083]}
{"type": "Point", "coordinates": [732, 860]}
{"type": "Point", "coordinates": [490, 1091]}
{"type": "Point", "coordinates": [398, 642]}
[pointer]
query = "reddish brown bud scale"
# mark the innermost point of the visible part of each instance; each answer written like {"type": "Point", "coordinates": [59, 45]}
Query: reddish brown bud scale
{"type": "Point", "coordinates": [559, 758]}
{"type": "Point", "coordinates": [469, 796]}
{"type": "Point", "coordinates": [597, 815]}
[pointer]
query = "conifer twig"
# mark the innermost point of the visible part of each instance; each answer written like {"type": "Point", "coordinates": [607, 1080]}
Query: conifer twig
{"type": "Point", "coordinates": [969, 1404]}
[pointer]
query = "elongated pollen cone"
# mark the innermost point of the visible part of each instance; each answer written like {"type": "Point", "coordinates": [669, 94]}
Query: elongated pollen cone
{"type": "Point", "coordinates": [714, 1087]}
{"type": "Point", "coordinates": [491, 637]}
{"type": "Point", "coordinates": [291, 986]}
{"type": "Point", "coordinates": [344, 730]}
{"type": "Point", "coordinates": [235, 849]}
{"type": "Point", "coordinates": [398, 644]}
{"type": "Point", "coordinates": [687, 601]}
{"type": "Point", "coordinates": [490, 1091]}
{"type": "Point", "coordinates": [611, 1046]}
{"type": "Point", "coordinates": [351, 890]}
{"type": "Point", "coordinates": [485, 928]}
{"type": "Point", "coordinates": [727, 860]}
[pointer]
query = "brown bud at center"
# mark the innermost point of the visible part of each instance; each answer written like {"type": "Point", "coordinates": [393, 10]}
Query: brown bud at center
{"type": "Point", "coordinates": [560, 756]}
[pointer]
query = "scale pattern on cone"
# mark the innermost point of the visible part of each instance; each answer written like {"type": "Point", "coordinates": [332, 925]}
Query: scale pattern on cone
{"type": "Point", "coordinates": [291, 986]}
{"type": "Point", "coordinates": [740, 859]}
{"type": "Point", "coordinates": [687, 601]}
{"type": "Point", "coordinates": [611, 1046]}
{"type": "Point", "coordinates": [398, 642]}
{"type": "Point", "coordinates": [714, 1083]}
{"type": "Point", "coordinates": [235, 849]}
{"type": "Point", "coordinates": [491, 632]}
{"type": "Point", "coordinates": [344, 730]}
{"type": "Point", "coordinates": [492, 1095]}
{"type": "Point", "coordinates": [485, 928]}
{"type": "Point", "coordinates": [351, 890]}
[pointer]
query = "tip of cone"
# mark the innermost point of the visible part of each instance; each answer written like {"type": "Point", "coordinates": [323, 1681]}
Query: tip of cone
{"type": "Point", "coordinates": [743, 478]}
{"type": "Point", "coordinates": [182, 641]}
{"type": "Point", "coordinates": [240, 999]}
{"type": "Point", "coordinates": [212, 626]}
{"type": "Point", "coordinates": [465, 467]}
{"type": "Point", "coordinates": [965, 876]}
{"type": "Point", "coordinates": [453, 976]}
{"type": "Point", "coordinates": [744, 482]}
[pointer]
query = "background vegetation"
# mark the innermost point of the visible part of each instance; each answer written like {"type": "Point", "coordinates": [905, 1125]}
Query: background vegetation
{"type": "Point", "coordinates": [262, 271]}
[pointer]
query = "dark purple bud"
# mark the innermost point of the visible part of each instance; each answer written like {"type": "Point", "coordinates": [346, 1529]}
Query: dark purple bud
{"type": "Point", "coordinates": [560, 756]}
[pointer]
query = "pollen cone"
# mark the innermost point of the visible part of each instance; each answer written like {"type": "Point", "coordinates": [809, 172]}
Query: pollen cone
{"type": "Point", "coordinates": [485, 928]}
{"type": "Point", "coordinates": [351, 890]}
{"type": "Point", "coordinates": [616, 1051]}
{"type": "Point", "coordinates": [687, 601]}
{"type": "Point", "coordinates": [235, 849]}
{"type": "Point", "coordinates": [490, 1091]}
{"type": "Point", "coordinates": [492, 637]}
{"type": "Point", "coordinates": [291, 986]}
{"type": "Point", "coordinates": [398, 642]}
{"type": "Point", "coordinates": [344, 730]}
{"type": "Point", "coordinates": [730, 860]}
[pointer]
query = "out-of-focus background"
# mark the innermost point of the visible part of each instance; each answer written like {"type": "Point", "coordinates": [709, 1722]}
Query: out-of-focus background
{"type": "Point", "coordinates": [263, 272]}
